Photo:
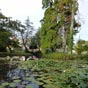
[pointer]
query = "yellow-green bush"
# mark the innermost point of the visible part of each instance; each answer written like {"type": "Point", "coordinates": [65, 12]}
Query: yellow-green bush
{"type": "Point", "coordinates": [57, 55]}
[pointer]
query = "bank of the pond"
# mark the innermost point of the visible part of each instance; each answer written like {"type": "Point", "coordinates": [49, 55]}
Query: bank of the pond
{"type": "Point", "coordinates": [46, 73]}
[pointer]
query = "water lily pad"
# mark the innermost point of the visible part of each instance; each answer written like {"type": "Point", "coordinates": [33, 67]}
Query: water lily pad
{"type": "Point", "coordinates": [17, 81]}
{"type": "Point", "coordinates": [5, 84]}
{"type": "Point", "coordinates": [39, 83]}
{"type": "Point", "coordinates": [39, 79]}
{"type": "Point", "coordinates": [48, 81]}
{"type": "Point", "coordinates": [27, 75]}
{"type": "Point", "coordinates": [50, 86]}
{"type": "Point", "coordinates": [12, 85]}
{"type": "Point", "coordinates": [35, 75]}
{"type": "Point", "coordinates": [28, 86]}
{"type": "Point", "coordinates": [24, 82]}
{"type": "Point", "coordinates": [41, 72]}
{"type": "Point", "coordinates": [29, 79]}
{"type": "Point", "coordinates": [2, 86]}
{"type": "Point", "coordinates": [16, 77]}
{"type": "Point", "coordinates": [44, 75]}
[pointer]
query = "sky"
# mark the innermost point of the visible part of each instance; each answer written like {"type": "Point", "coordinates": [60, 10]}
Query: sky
{"type": "Point", "coordinates": [20, 9]}
{"type": "Point", "coordinates": [83, 15]}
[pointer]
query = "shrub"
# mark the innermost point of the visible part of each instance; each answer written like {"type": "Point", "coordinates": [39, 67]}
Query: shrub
{"type": "Point", "coordinates": [57, 55]}
{"type": "Point", "coordinates": [83, 56]}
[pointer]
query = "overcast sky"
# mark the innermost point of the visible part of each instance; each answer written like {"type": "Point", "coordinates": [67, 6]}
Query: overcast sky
{"type": "Point", "coordinates": [83, 13]}
{"type": "Point", "coordinates": [20, 9]}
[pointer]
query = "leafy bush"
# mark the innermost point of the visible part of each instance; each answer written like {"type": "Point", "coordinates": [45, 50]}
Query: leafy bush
{"type": "Point", "coordinates": [59, 56]}
{"type": "Point", "coordinates": [83, 56]}
{"type": "Point", "coordinates": [37, 54]}
{"type": "Point", "coordinates": [81, 47]}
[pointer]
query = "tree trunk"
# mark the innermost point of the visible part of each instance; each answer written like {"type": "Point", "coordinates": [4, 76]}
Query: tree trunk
{"type": "Point", "coordinates": [65, 41]}
{"type": "Point", "coordinates": [71, 32]}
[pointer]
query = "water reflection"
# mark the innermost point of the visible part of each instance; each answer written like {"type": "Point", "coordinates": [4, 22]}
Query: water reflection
{"type": "Point", "coordinates": [22, 78]}
{"type": "Point", "coordinates": [4, 68]}
{"type": "Point", "coordinates": [12, 77]}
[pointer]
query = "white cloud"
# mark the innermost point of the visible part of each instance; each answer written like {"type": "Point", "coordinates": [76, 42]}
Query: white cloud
{"type": "Point", "coordinates": [20, 9]}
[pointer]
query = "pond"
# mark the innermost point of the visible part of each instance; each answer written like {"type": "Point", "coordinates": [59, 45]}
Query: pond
{"type": "Point", "coordinates": [13, 77]}
{"type": "Point", "coordinates": [5, 66]}
{"type": "Point", "coordinates": [45, 74]}
{"type": "Point", "coordinates": [25, 78]}
{"type": "Point", "coordinates": [20, 78]}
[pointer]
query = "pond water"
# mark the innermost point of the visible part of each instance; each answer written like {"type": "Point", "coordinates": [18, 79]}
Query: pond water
{"type": "Point", "coordinates": [4, 68]}
{"type": "Point", "coordinates": [13, 77]}
{"type": "Point", "coordinates": [44, 74]}
{"type": "Point", "coordinates": [24, 78]}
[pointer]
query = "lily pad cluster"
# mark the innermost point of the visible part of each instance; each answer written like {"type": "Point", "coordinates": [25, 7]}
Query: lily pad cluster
{"type": "Point", "coordinates": [59, 73]}
{"type": "Point", "coordinates": [19, 78]}
{"type": "Point", "coordinates": [48, 74]}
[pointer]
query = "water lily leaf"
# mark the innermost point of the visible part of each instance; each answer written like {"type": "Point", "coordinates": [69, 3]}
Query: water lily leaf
{"type": "Point", "coordinates": [12, 85]}
{"type": "Point", "coordinates": [39, 83]}
{"type": "Point", "coordinates": [16, 77]}
{"type": "Point", "coordinates": [28, 86]}
{"type": "Point", "coordinates": [50, 86]}
{"type": "Point", "coordinates": [17, 81]}
{"type": "Point", "coordinates": [2, 86]}
{"type": "Point", "coordinates": [5, 84]}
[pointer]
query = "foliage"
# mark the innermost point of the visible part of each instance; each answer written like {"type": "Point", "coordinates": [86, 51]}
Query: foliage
{"type": "Point", "coordinates": [4, 54]}
{"type": "Point", "coordinates": [4, 40]}
{"type": "Point", "coordinates": [48, 73]}
{"type": "Point", "coordinates": [12, 32]}
{"type": "Point", "coordinates": [59, 73]}
{"type": "Point", "coordinates": [60, 18]}
{"type": "Point", "coordinates": [45, 3]}
{"type": "Point", "coordinates": [81, 46]}
{"type": "Point", "coordinates": [7, 26]}
{"type": "Point", "coordinates": [83, 56]}
{"type": "Point", "coordinates": [25, 32]}
{"type": "Point", "coordinates": [60, 56]}
{"type": "Point", "coordinates": [35, 41]}
{"type": "Point", "coordinates": [48, 33]}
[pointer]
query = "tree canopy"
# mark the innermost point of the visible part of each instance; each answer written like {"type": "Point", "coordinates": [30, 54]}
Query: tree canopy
{"type": "Point", "coordinates": [59, 24]}
{"type": "Point", "coordinates": [7, 27]}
